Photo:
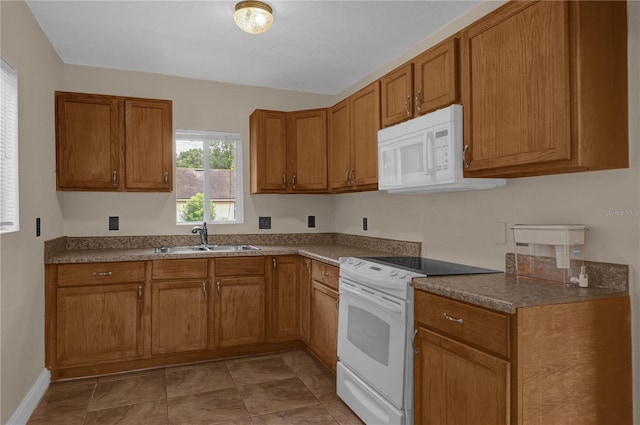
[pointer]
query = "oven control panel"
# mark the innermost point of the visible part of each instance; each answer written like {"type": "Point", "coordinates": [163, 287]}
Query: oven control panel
{"type": "Point", "coordinates": [374, 274]}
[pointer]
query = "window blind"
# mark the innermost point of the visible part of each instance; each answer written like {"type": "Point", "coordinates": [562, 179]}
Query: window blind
{"type": "Point", "coordinates": [9, 201]}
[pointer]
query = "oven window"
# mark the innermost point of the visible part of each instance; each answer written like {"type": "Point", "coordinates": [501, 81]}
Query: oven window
{"type": "Point", "coordinates": [369, 334]}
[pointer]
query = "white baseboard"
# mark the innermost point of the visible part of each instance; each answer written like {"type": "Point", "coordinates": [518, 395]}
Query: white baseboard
{"type": "Point", "coordinates": [31, 400]}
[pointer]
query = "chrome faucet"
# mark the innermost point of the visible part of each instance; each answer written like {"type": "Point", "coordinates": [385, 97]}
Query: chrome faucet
{"type": "Point", "coordinates": [204, 235]}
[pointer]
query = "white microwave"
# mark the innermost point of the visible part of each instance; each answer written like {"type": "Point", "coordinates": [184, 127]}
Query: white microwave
{"type": "Point", "coordinates": [425, 154]}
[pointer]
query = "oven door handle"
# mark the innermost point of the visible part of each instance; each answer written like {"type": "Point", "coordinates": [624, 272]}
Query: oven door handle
{"type": "Point", "coordinates": [387, 306]}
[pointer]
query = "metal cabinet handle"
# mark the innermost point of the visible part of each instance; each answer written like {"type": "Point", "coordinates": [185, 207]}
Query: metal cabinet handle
{"type": "Point", "coordinates": [465, 162]}
{"type": "Point", "coordinates": [284, 181]}
{"type": "Point", "coordinates": [413, 341]}
{"type": "Point", "coordinates": [204, 290]}
{"type": "Point", "coordinates": [351, 176]}
{"type": "Point", "coordinates": [166, 179]}
{"type": "Point", "coordinates": [293, 181]}
{"type": "Point", "coordinates": [274, 262]}
{"type": "Point", "coordinates": [218, 287]}
{"type": "Point", "coordinates": [407, 105]}
{"type": "Point", "coordinates": [323, 273]}
{"type": "Point", "coordinates": [453, 319]}
{"type": "Point", "coordinates": [139, 293]}
{"type": "Point", "coordinates": [114, 178]}
{"type": "Point", "coordinates": [418, 99]}
{"type": "Point", "coordinates": [102, 274]}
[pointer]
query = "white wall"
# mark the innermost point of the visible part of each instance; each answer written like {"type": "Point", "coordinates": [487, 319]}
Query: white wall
{"type": "Point", "coordinates": [199, 105]}
{"type": "Point", "coordinates": [464, 226]}
{"type": "Point", "coordinates": [21, 253]}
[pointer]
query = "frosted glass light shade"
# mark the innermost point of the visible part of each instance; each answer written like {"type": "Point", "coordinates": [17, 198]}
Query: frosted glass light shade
{"type": "Point", "coordinates": [253, 17]}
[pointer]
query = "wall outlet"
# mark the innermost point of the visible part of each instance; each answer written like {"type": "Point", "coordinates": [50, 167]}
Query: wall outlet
{"type": "Point", "coordinates": [37, 226]}
{"type": "Point", "coordinates": [114, 223]}
{"type": "Point", "coordinates": [264, 222]}
{"type": "Point", "coordinates": [311, 221]}
{"type": "Point", "coordinates": [365, 224]}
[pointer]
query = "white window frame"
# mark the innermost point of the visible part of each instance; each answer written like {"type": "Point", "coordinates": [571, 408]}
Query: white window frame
{"type": "Point", "coordinates": [207, 137]}
{"type": "Point", "coordinates": [9, 161]}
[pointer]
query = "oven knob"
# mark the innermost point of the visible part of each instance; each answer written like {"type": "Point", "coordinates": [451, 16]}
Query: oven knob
{"type": "Point", "coordinates": [402, 275]}
{"type": "Point", "coordinates": [393, 273]}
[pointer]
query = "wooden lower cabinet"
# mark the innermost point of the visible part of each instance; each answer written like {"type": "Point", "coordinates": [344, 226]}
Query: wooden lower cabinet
{"type": "Point", "coordinates": [304, 283]}
{"type": "Point", "coordinates": [324, 324]}
{"type": "Point", "coordinates": [566, 363]}
{"type": "Point", "coordinates": [179, 319]}
{"type": "Point", "coordinates": [457, 384]}
{"type": "Point", "coordinates": [284, 302]}
{"type": "Point", "coordinates": [240, 308]}
{"type": "Point", "coordinates": [98, 323]}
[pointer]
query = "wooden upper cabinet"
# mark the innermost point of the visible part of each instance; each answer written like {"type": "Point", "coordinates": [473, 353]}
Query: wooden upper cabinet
{"type": "Point", "coordinates": [544, 89]}
{"type": "Point", "coordinates": [397, 95]}
{"type": "Point", "coordinates": [95, 133]}
{"type": "Point", "coordinates": [268, 146]}
{"type": "Point", "coordinates": [338, 122]}
{"type": "Point", "coordinates": [89, 142]}
{"type": "Point", "coordinates": [365, 123]}
{"type": "Point", "coordinates": [437, 77]}
{"type": "Point", "coordinates": [307, 150]}
{"type": "Point", "coordinates": [149, 145]}
{"type": "Point", "coordinates": [428, 82]}
{"type": "Point", "coordinates": [353, 141]}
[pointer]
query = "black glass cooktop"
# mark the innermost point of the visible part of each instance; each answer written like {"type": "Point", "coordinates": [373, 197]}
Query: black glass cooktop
{"type": "Point", "coordinates": [428, 266]}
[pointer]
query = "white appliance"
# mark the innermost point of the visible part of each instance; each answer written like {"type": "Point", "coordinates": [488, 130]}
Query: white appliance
{"type": "Point", "coordinates": [375, 334]}
{"type": "Point", "coordinates": [425, 154]}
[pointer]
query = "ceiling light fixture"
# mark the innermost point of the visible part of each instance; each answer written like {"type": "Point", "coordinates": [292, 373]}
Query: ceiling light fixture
{"type": "Point", "coordinates": [253, 17]}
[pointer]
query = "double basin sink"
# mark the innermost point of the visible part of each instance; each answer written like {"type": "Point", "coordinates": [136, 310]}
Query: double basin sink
{"type": "Point", "coordinates": [203, 248]}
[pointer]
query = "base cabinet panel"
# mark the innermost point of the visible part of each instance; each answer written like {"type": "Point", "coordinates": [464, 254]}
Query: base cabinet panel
{"type": "Point", "coordinates": [240, 307]}
{"type": "Point", "coordinates": [284, 301]}
{"type": "Point", "coordinates": [99, 323]}
{"type": "Point", "coordinates": [324, 324]}
{"type": "Point", "coordinates": [178, 317]}
{"type": "Point", "coordinates": [458, 385]}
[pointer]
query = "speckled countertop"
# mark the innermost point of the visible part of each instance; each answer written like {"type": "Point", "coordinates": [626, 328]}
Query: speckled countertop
{"type": "Point", "coordinates": [503, 292]}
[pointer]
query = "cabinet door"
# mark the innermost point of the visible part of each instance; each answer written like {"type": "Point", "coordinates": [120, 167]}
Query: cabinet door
{"type": "Point", "coordinates": [397, 95]}
{"type": "Point", "coordinates": [304, 279]}
{"type": "Point", "coordinates": [240, 309]}
{"type": "Point", "coordinates": [324, 324]}
{"type": "Point", "coordinates": [515, 86]}
{"type": "Point", "coordinates": [99, 323]}
{"type": "Point", "coordinates": [458, 385]}
{"type": "Point", "coordinates": [339, 145]}
{"type": "Point", "coordinates": [268, 151]}
{"type": "Point", "coordinates": [89, 140]}
{"type": "Point", "coordinates": [178, 316]}
{"type": "Point", "coordinates": [149, 145]}
{"type": "Point", "coordinates": [307, 150]}
{"type": "Point", "coordinates": [285, 296]}
{"type": "Point", "coordinates": [437, 77]}
{"type": "Point", "coordinates": [365, 123]}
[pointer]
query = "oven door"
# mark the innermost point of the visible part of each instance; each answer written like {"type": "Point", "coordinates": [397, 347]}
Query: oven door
{"type": "Point", "coordinates": [372, 338]}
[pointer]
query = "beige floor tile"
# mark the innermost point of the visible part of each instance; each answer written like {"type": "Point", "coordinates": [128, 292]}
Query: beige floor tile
{"type": "Point", "coordinates": [302, 363]}
{"type": "Point", "coordinates": [323, 387]}
{"type": "Point", "coordinates": [256, 370]}
{"type": "Point", "coordinates": [342, 414]}
{"type": "Point", "coordinates": [124, 392]}
{"type": "Point", "coordinates": [76, 418]}
{"type": "Point", "coordinates": [276, 396]}
{"type": "Point", "coordinates": [64, 400]}
{"type": "Point", "coordinates": [151, 413]}
{"type": "Point", "coordinates": [197, 379]}
{"type": "Point", "coordinates": [312, 415]}
{"type": "Point", "coordinates": [213, 407]}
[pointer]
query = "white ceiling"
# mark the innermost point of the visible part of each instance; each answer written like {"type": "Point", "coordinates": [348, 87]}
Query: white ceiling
{"type": "Point", "coordinates": [313, 46]}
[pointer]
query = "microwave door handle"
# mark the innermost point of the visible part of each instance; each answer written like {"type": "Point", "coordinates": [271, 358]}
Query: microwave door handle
{"type": "Point", "coordinates": [431, 154]}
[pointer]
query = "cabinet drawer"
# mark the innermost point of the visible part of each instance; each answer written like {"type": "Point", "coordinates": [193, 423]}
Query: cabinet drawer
{"type": "Point", "coordinates": [476, 326]}
{"type": "Point", "coordinates": [326, 274]}
{"type": "Point", "coordinates": [179, 269]}
{"type": "Point", "coordinates": [239, 266]}
{"type": "Point", "coordinates": [100, 273]}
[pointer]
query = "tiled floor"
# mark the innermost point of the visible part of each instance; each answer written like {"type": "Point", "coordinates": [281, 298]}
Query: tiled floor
{"type": "Point", "coordinates": [286, 388]}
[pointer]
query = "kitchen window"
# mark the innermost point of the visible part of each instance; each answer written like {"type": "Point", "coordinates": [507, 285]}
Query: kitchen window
{"type": "Point", "coordinates": [9, 200]}
{"type": "Point", "coordinates": [208, 177]}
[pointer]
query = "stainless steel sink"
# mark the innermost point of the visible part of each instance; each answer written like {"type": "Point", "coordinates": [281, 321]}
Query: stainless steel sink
{"type": "Point", "coordinates": [203, 248]}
